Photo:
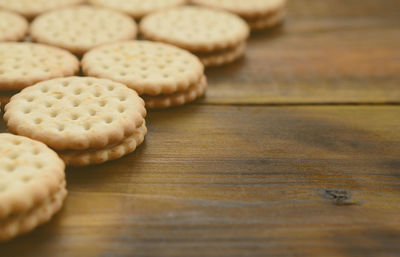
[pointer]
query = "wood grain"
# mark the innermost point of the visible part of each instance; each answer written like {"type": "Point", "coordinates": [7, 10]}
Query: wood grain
{"type": "Point", "coordinates": [271, 163]}
{"type": "Point", "coordinates": [238, 181]}
{"type": "Point", "coordinates": [327, 52]}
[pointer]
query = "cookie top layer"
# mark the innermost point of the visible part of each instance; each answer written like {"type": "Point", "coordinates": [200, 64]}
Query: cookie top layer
{"type": "Point", "coordinates": [245, 8]}
{"type": "Point", "coordinates": [32, 8]}
{"type": "Point", "coordinates": [13, 27]}
{"type": "Point", "coordinates": [24, 64]}
{"type": "Point", "coordinates": [79, 29]}
{"type": "Point", "coordinates": [196, 29]}
{"type": "Point", "coordinates": [75, 112]}
{"type": "Point", "coordinates": [147, 67]}
{"type": "Point", "coordinates": [138, 8]}
{"type": "Point", "coordinates": [29, 173]}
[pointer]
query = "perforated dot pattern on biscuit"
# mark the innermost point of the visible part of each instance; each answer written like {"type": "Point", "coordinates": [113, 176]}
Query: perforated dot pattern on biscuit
{"type": "Point", "coordinates": [147, 67]}
{"type": "Point", "coordinates": [245, 8]}
{"type": "Point", "coordinates": [23, 64]}
{"type": "Point", "coordinates": [75, 112]}
{"type": "Point", "coordinates": [32, 8]}
{"type": "Point", "coordinates": [138, 8]}
{"type": "Point", "coordinates": [79, 29]}
{"type": "Point", "coordinates": [195, 28]}
{"type": "Point", "coordinates": [12, 26]}
{"type": "Point", "coordinates": [29, 173]}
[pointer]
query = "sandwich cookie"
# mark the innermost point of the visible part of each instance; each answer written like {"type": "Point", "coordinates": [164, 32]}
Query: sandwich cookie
{"type": "Point", "coordinates": [216, 37]}
{"type": "Point", "coordinates": [79, 29]}
{"type": "Point", "coordinates": [259, 14]}
{"type": "Point", "coordinates": [138, 8]}
{"type": "Point", "coordinates": [164, 75]}
{"type": "Point", "coordinates": [86, 120]}
{"type": "Point", "coordinates": [24, 64]}
{"type": "Point", "coordinates": [32, 185]}
{"type": "Point", "coordinates": [13, 27]}
{"type": "Point", "coordinates": [31, 8]}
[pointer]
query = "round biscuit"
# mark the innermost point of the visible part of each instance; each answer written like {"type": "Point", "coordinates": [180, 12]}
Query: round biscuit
{"type": "Point", "coordinates": [245, 8]}
{"type": "Point", "coordinates": [25, 222]}
{"type": "Point", "coordinates": [112, 152]}
{"type": "Point", "coordinates": [13, 27]}
{"type": "Point", "coordinates": [138, 8]}
{"type": "Point", "coordinates": [178, 98]}
{"type": "Point", "coordinates": [75, 112]}
{"type": "Point", "coordinates": [24, 64]}
{"type": "Point", "coordinates": [224, 57]}
{"type": "Point", "coordinates": [147, 67]}
{"type": "Point", "coordinates": [30, 172]}
{"type": "Point", "coordinates": [32, 8]}
{"type": "Point", "coordinates": [81, 28]}
{"type": "Point", "coordinates": [196, 29]}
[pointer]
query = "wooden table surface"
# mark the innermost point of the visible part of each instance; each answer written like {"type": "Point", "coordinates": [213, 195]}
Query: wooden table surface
{"type": "Point", "coordinates": [295, 151]}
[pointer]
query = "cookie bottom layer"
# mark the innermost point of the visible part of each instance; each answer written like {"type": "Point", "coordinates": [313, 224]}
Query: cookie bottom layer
{"type": "Point", "coordinates": [269, 21]}
{"type": "Point", "coordinates": [19, 224]}
{"type": "Point", "coordinates": [178, 98]}
{"type": "Point", "coordinates": [108, 153]}
{"type": "Point", "coordinates": [223, 57]}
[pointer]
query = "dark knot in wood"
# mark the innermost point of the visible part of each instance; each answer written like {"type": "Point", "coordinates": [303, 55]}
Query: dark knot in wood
{"type": "Point", "coordinates": [338, 196]}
